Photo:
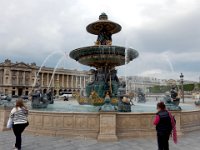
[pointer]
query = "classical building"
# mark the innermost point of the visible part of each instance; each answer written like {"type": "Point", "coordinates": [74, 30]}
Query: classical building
{"type": "Point", "coordinates": [19, 78]}
{"type": "Point", "coordinates": [135, 82]}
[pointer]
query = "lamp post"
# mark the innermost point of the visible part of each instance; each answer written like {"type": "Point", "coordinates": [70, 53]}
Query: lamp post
{"type": "Point", "coordinates": [181, 80]}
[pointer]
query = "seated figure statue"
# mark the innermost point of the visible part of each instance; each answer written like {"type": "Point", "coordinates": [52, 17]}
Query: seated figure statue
{"type": "Point", "coordinates": [170, 105]}
{"type": "Point", "coordinates": [104, 38]}
{"type": "Point", "coordinates": [39, 100]}
{"type": "Point", "coordinates": [141, 96]}
{"type": "Point", "coordinates": [175, 96]}
{"type": "Point", "coordinates": [114, 82]}
{"type": "Point", "coordinates": [107, 105]}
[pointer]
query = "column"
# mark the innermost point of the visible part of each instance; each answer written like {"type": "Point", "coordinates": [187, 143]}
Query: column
{"type": "Point", "coordinates": [81, 82]}
{"type": "Point", "coordinates": [48, 80]}
{"type": "Point", "coordinates": [42, 80]}
{"type": "Point", "coordinates": [63, 81]}
{"type": "Point", "coordinates": [72, 81]}
{"type": "Point", "coordinates": [30, 79]}
{"type": "Point", "coordinates": [52, 80]}
{"type": "Point", "coordinates": [17, 80]}
{"type": "Point", "coordinates": [24, 77]}
{"type": "Point", "coordinates": [84, 81]}
{"type": "Point", "coordinates": [57, 85]}
{"type": "Point", "coordinates": [67, 81]}
{"type": "Point", "coordinates": [76, 82]}
{"type": "Point", "coordinates": [58, 78]}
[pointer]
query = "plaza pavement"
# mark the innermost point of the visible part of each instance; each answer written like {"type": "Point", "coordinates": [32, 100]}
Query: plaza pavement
{"type": "Point", "coordinates": [189, 141]}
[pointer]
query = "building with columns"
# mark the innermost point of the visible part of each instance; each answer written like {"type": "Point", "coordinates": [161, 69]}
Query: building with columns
{"type": "Point", "coordinates": [133, 83]}
{"type": "Point", "coordinates": [19, 78]}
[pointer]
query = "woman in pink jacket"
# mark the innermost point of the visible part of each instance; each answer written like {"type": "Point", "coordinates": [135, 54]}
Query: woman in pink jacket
{"type": "Point", "coordinates": [165, 124]}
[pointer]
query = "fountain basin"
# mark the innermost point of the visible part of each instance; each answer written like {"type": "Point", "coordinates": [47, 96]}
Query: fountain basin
{"type": "Point", "coordinates": [103, 55]}
{"type": "Point", "coordinates": [85, 121]}
{"type": "Point", "coordinates": [92, 124]}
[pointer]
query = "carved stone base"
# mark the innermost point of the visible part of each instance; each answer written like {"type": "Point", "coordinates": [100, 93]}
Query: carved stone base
{"type": "Point", "coordinates": [4, 115]}
{"type": "Point", "coordinates": [107, 127]}
{"type": "Point", "coordinates": [107, 138]}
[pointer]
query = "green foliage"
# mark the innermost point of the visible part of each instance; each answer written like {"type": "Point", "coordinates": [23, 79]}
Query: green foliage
{"type": "Point", "coordinates": [159, 89]}
{"type": "Point", "coordinates": [163, 89]}
{"type": "Point", "coordinates": [188, 87]}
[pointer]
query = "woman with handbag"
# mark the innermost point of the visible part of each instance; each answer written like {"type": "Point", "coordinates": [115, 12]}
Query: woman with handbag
{"type": "Point", "coordinates": [19, 116]}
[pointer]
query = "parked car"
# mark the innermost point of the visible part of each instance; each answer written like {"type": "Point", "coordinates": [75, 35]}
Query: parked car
{"type": "Point", "coordinates": [66, 95]}
{"type": "Point", "coordinates": [15, 96]}
{"type": "Point", "coordinates": [24, 97]}
{"type": "Point", "coordinates": [3, 97]}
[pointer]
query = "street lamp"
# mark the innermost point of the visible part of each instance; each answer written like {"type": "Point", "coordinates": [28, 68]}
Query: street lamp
{"type": "Point", "coordinates": [181, 80]}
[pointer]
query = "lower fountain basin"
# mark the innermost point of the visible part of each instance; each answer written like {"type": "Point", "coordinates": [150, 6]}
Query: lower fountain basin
{"type": "Point", "coordinates": [69, 119]}
{"type": "Point", "coordinates": [103, 55]}
{"type": "Point", "coordinates": [73, 106]}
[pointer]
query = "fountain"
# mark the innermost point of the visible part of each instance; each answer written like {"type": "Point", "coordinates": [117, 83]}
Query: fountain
{"type": "Point", "coordinates": [172, 100]}
{"type": "Point", "coordinates": [141, 96]}
{"type": "Point", "coordinates": [40, 100]}
{"type": "Point", "coordinates": [105, 93]}
{"type": "Point", "coordinates": [104, 89]}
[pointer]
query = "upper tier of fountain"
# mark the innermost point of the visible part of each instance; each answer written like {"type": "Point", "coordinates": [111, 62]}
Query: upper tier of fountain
{"type": "Point", "coordinates": [103, 53]}
{"type": "Point", "coordinates": [103, 24]}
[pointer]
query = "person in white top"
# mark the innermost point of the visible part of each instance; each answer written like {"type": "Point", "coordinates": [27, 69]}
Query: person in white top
{"type": "Point", "coordinates": [19, 116]}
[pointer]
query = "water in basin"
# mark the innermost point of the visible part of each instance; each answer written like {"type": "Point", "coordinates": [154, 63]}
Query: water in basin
{"type": "Point", "coordinates": [73, 106]}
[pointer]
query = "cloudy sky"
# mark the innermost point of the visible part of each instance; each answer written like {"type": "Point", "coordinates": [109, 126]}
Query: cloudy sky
{"type": "Point", "coordinates": [166, 33]}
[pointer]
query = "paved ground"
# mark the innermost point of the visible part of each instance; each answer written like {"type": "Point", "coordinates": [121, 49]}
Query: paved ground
{"type": "Point", "coordinates": [190, 141]}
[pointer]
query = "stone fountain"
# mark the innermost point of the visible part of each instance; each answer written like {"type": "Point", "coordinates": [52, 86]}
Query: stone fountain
{"type": "Point", "coordinates": [104, 57]}
{"type": "Point", "coordinates": [40, 100]}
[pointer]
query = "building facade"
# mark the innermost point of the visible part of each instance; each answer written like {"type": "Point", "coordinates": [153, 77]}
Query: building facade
{"type": "Point", "coordinates": [19, 78]}
{"type": "Point", "coordinates": [133, 83]}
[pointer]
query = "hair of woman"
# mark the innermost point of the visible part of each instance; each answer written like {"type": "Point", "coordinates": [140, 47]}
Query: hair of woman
{"type": "Point", "coordinates": [19, 103]}
{"type": "Point", "coordinates": [161, 105]}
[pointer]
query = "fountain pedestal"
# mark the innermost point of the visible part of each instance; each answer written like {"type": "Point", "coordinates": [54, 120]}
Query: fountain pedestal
{"type": "Point", "coordinates": [104, 57]}
{"type": "Point", "coordinates": [107, 127]}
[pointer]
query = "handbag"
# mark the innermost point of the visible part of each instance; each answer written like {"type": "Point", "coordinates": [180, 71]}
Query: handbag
{"type": "Point", "coordinates": [9, 123]}
{"type": "Point", "coordinates": [27, 124]}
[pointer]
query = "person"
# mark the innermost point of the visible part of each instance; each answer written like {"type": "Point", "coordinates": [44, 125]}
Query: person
{"type": "Point", "coordinates": [19, 116]}
{"type": "Point", "coordinates": [165, 124]}
{"type": "Point", "coordinates": [65, 98]}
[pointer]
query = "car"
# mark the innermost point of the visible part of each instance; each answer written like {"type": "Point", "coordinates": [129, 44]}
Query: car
{"type": "Point", "coordinates": [25, 97]}
{"type": "Point", "coordinates": [66, 95]}
{"type": "Point", "coordinates": [3, 97]}
{"type": "Point", "coordinates": [15, 96]}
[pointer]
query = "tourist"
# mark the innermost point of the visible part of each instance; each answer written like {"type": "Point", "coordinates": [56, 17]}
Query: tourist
{"type": "Point", "coordinates": [165, 124]}
{"type": "Point", "coordinates": [19, 117]}
{"type": "Point", "coordinates": [66, 98]}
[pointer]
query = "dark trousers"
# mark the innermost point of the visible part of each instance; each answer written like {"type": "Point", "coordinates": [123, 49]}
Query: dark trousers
{"type": "Point", "coordinates": [163, 140]}
{"type": "Point", "coordinates": [18, 129]}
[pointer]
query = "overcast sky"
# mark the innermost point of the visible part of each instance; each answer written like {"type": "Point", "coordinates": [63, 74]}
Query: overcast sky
{"type": "Point", "coordinates": [166, 33]}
